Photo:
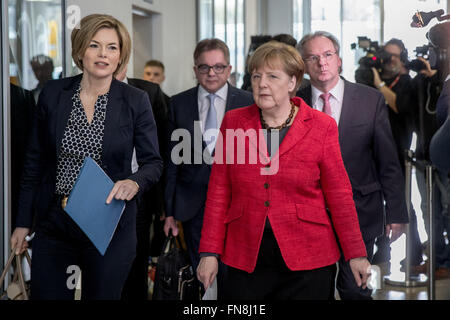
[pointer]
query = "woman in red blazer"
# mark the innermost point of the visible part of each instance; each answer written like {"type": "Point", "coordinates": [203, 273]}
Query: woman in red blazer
{"type": "Point", "coordinates": [273, 214]}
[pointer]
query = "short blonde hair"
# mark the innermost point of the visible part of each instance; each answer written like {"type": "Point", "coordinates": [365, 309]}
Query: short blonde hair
{"type": "Point", "coordinates": [89, 26]}
{"type": "Point", "coordinates": [274, 52]}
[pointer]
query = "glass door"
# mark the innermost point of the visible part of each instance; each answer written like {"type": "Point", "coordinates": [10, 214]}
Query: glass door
{"type": "Point", "coordinates": [32, 53]}
{"type": "Point", "coordinates": [35, 42]}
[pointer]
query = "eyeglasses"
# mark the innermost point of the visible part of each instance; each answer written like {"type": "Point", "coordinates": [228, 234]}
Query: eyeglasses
{"type": "Point", "coordinates": [314, 59]}
{"type": "Point", "coordinates": [218, 68]}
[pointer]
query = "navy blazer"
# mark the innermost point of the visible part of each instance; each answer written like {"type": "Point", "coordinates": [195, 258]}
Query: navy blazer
{"type": "Point", "coordinates": [129, 123]}
{"type": "Point", "coordinates": [187, 183]}
{"type": "Point", "coordinates": [370, 158]}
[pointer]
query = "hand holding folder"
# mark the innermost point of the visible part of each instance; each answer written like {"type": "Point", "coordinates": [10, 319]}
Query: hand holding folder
{"type": "Point", "coordinates": [87, 205]}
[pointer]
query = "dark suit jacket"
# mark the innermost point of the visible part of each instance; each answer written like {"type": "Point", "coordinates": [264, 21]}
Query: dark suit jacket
{"type": "Point", "coordinates": [187, 183]}
{"type": "Point", "coordinates": [370, 158]}
{"type": "Point", "coordinates": [22, 110]}
{"type": "Point", "coordinates": [129, 124]}
{"type": "Point", "coordinates": [154, 198]}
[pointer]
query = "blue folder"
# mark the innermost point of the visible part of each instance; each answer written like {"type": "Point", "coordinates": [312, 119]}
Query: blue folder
{"type": "Point", "coordinates": [87, 206]}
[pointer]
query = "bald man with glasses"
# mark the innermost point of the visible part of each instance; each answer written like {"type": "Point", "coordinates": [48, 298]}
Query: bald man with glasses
{"type": "Point", "coordinates": [367, 148]}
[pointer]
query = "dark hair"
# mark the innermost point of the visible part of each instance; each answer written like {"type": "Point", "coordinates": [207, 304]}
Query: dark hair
{"type": "Point", "coordinates": [399, 43]}
{"type": "Point", "coordinates": [40, 60]}
{"type": "Point", "coordinates": [285, 38]}
{"type": "Point", "coordinates": [155, 63]}
{"type": "Point", "coordinates": [211, 44]}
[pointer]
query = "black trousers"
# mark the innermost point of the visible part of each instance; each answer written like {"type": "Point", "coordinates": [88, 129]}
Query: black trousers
{"type": "Point", "coordinates": [192, 232]}
{"type": "Point", "coordinates": [136, 285]}
{"type": "Point", "coordinates": [273, 280]}
{"type": "Point", "coordinates": [346, 284]}
{"type": "Point", "coordinates": [60, 247]}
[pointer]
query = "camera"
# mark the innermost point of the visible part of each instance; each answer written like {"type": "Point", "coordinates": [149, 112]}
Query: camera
{"type": "Point", "coordinates": [428, 52]}
{"type": "Point", "coordinates": [375, 57]}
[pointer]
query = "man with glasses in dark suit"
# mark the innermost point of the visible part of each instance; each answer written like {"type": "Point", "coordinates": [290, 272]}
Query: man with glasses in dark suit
{"type": "Point", "coordinates": [200, 111]}
{"type": "Point", "coordinates": [367, 148]}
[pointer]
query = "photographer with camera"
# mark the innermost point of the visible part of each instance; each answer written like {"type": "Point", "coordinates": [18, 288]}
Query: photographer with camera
{"type": "Point", "coordinates": [427, 88]}
{"type": "Point", "coordinates": [412, 105]}
{"type": "Point", "coordinates": [396, 85]}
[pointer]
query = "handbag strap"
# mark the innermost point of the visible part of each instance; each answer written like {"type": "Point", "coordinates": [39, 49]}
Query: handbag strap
{"type": "Point", "coordinates": [7, 266]}
{"type": "Point", "coordinates": [18, 274]}
{"type": "Point", "coordinates": [170, 242]}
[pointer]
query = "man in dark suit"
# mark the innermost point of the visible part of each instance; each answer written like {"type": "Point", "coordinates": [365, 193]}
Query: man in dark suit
{"type": "Point", "coordinates": [367, 148]}
{"type": "Point", "coordinates": [198, 112]}
{"type": "Point", "coordinates": [151, 203]}
{"type": "Point", "coordinates": [154, 71]}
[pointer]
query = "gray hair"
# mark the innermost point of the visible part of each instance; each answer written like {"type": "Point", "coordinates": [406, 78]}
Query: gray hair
{"type": "Point", "coordinates": [301, 45]}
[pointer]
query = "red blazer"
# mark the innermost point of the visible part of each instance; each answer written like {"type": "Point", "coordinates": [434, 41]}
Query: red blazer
{"type": "Point", "coordinates": [307, 176]}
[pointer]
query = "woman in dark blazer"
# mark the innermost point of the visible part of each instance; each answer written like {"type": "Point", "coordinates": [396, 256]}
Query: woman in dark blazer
{"type": "Point", "coordinates": [267, 220]}
{"type": "Point", "coordinates": [88, 115]}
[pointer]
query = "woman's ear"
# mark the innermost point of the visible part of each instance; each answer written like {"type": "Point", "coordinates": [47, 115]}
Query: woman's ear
{"type": "Point", "coordinates": [292, 83]}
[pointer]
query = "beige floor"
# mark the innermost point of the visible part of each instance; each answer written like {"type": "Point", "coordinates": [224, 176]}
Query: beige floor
{"type": "Point", "coordinates": [390, 292]}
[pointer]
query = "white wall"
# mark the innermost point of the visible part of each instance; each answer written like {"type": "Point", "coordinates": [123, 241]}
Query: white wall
{"type": "Point", "coordinates": [120, 10]}
{"type": "Point", "coordinates": [174, 40]}
{"type": "Point", "coordinates": [173, 34]}
{"type": "Point", "coordinates": [252, 20]}
{"type": "Point", "coordinates": [279, 17]}
{"type": "Point", "coordinates": [178, 39]}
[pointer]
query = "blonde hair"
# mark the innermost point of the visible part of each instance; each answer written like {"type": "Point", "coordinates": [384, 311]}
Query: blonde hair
{"type": "Point", "coordinates": [89, 26]}
{"type": "Point", "coordinates": [274, 52]}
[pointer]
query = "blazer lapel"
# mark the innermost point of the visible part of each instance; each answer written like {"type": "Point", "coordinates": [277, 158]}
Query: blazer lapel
{"type": "Point", "coordinates": [194, 115]}
{"type": "Point", "coordinates": [191, 121]}
{"type": "Point", "coordinates": [346, 111]}
{"type": "Point", "coordinates": [65, 104]}
{"type": "Point", "coordinates": [231, 94]}
{"type": "Point", "coordinates": [112, 119]}
{"type": "Point", "coordinates": [298, 130]}
{"type": "Point", "coordinates": [259, 144]}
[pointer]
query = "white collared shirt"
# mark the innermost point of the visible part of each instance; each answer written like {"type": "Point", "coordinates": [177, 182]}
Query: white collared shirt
{"type": "Point", "coordinates": [336, 99]}
{"type": "Point", "coordinates": [219, 104]}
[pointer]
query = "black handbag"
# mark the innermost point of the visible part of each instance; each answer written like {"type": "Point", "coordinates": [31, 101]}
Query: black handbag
{"type": "Point", "coordinates": [175, 278]}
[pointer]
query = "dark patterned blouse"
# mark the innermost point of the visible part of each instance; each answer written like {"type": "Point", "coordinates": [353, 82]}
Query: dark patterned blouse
{"type": "Point", "coordinates": [80, 140]}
